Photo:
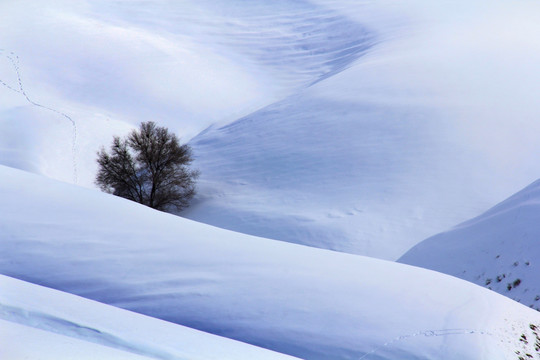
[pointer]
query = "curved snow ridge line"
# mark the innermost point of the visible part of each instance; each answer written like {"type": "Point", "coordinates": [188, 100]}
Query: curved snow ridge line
{"type": "Point", "coordinates": [14, 59]}
{"type": "Point", "coordinates": [299, 42]}
{"type": "Point", "coordinates": [71, 329]}
{"type": "Point", "coordinates": [426, 333]}
{"type": "Point", "coordinates": [315, 45]}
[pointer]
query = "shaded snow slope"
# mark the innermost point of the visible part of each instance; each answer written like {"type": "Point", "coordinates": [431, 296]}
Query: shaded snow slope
{"type": "Point", "coordinates": [42, 323]}
{"type": "Point", "coordinates": [91, 69]}
{"type": "Point", "coordinates": [23, 342]}
{"type": "Point", "coordinates": [499, 249]}
{"type": "Point", "coordinates": [307, 302]}
{"type": "Point", "coordinates": [432, 126]}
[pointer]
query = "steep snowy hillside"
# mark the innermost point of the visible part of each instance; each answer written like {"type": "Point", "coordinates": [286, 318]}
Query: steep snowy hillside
{"type": "Point", "coordinates": [499, 249]}
{"type": "Point", "coordinates": [302, 301]}
{"type": "Point", "coordinates": [41, 323]}
{"type": "Point", "coordinates": [433, 125]}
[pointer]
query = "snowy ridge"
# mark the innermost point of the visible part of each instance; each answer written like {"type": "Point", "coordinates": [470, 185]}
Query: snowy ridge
{"type": "Point", "coordinates": [299, 42]}
{"type": "Point", "coordinates": [357, 126]}
{"type": "Point", "coordinates": [23, 342]}
{"type": "Point", "coordinates": [351, 126]}
{"type": "Point", "coordinates": [297, 300]}
{"type": "Point", "coordinates": [128, 335]}
{"type": "Point", "coordinates": [400, 146]}
{"type": "Point", "coordinates": [498, 249]}
{"type": "Point", "coordinates": [125, 63]}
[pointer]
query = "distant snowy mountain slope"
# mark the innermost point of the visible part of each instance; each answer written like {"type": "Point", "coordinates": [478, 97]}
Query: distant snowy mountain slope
{"type": "Point", "coordinates": [307, 302]}
{"type": "Point", "coordinates": [89, 69]}
{"type": "Point", "coordinates": [499, 249]}
{"type": "Point", "coordinates": [41, 323]}
{"type": "Point", "coordinates": [431, 126]}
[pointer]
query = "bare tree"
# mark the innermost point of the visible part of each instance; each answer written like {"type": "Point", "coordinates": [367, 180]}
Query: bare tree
{"type": "Point", "coordinates": [149, 167]}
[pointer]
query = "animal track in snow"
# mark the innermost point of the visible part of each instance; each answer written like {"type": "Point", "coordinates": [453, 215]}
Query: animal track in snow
{"type": "Point", "coordinates": [14, 60]}
{"type": "Point", "coordinates": [425, 333]}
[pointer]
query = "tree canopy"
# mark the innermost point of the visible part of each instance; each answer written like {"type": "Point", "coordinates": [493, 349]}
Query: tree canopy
{"type": "Point", "coordinates": [149, 166]}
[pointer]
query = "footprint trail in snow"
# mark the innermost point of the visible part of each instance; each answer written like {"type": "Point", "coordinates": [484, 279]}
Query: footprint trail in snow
{"type": "Point", "coordinates": [14, 60]}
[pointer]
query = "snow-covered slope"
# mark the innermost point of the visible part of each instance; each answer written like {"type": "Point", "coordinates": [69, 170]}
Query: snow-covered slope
{"type": "Point", "coordinates": [41, 323]}
{"type": "Point", "coordinates": [499, 249]}
{"type": "Point", "coordinates": [302, 301]}
{"type": "Point", "coordinates": [20, 342]}
{"type": "Point", "coordinates": [433, 125]}
{"type": "Point", "coordinates": [355, 126]}
{"type": "Point", "coordinates": [90, 69]}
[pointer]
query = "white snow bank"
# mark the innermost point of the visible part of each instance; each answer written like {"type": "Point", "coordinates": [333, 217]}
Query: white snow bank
{"type": "Point", "coordinates": [22, 342]}
{"type": "Point", "coordinates": [306, 302]}
{"type": "Point", "coordinates": [498, 249]}
{"type": "Point", "coordinates": [30, 314]}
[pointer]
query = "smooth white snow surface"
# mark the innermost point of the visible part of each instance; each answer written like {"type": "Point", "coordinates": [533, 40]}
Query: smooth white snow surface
{"type": "Point", "coordinates": [108, 65]}
{"type": "Point", "coordinates": [302, 301]}
{"type": "Point", "coordinates": [499, 249]}
{"type": "Point", "coordinates": [431, 126]}
{"type": "Point", "coordinates": [41, 323]}
{"type": "Point", "coordinates": [358, 126]}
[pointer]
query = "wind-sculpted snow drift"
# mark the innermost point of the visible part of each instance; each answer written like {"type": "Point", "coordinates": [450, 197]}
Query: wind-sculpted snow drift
{"type": "Point", "coordinates": [55, 325]}
{"type": "Point", "coordinates": [306, 302]}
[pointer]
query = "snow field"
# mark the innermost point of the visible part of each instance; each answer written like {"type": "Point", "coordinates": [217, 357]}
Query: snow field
{"type": "Point", "coordinates": [432, 125]}
{"type": "Point", "coordinates": [362, 127]}
{"type": "Point", "coordinates": [357, 127]}
{"type": "Point", "coordinates": [56, 325]}
{"type": "Point", "coordinates": [292, 299]}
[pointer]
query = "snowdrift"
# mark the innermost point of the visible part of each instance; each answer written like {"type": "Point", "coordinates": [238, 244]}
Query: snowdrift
{"type": "Point", "coordinates": [41, 323]}
{"type": "Point", "coordinates": [301, 301]}
{"type": "Point", "coordinates": [498, 249]}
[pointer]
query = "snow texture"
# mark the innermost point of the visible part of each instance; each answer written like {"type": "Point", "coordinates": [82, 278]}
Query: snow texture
{"type": "Point", "coordinates": [498, 249]}
{"type": "Point", "coordinates": [362, 127]}
{"type": "Point", "coordinates": [306, 302]}
{"type": "Point", "coordinates": [56, 325]}
{"type": "Point", "coordinates": [356, 126]}
{"type": "Point", "coordinates": [431, 126]}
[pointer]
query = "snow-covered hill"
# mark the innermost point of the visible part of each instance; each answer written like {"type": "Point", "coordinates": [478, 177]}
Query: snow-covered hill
{"type": "Point", "coordinates": [499, 249]}
{"type": "Point", "coordinates": [431, 126]}
{"type": "Point", "coordinates": [41, 323]}
{"type": "Point", "coordinates": [88, 70]}
{"type": "Point", "coordinates": [362, 127]}
{"type": "Point", "coordinates": [302, 301]}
